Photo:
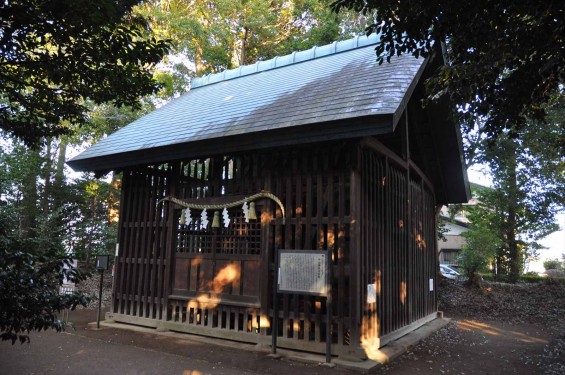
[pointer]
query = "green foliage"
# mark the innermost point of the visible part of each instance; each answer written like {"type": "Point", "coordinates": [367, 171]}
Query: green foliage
{"type": "Point", "coordinates": [211, 36]}
{"type": "Point", "coordinates": [91, 217]}
{"type": "Point", "coordinates": [531, 279]}
{"type": "Point", "coordinates": [31, 271]}
{"type": "Point", "coordinates": [43, 217]}
{"type": "Point", "coordinates": [528, 170]}
{"type": "Point", "coordinates": [441, 230]}
{"type": "Point", "coordinates": [479, 249]}
{"type": "Point", "coordinates": [505, 57]}
{"type": "Point", "coordinates": [56, 54]}
{"type": "Point", "coordinates": [552, 264]}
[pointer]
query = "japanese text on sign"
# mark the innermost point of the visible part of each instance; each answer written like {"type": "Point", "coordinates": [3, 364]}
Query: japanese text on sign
{"type": "Point", "coordinates": [303, 271]}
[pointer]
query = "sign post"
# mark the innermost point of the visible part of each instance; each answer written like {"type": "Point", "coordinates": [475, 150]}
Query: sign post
{"type": "Point", "coordinates": [275, 327]}
{"type": "Point", "coordinates": [102, 264]}
{"type": "Point", "coordinates": [303, 272]}
{"type": "Point", "coordinates": [329, 310]}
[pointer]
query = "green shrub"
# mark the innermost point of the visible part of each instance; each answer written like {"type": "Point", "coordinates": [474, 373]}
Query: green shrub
{"type": "Point", "coordinates": [529, 278]}
{"type": "Point", "coordinates": [552, 264]}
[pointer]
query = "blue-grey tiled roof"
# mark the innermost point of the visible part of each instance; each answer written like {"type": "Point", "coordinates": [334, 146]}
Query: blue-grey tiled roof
{"type": "Point", "coordinates": [334, 82]}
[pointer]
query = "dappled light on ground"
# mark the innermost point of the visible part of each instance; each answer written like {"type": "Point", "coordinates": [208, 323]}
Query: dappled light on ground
{"type": "Point", "coordinates": [471, 325]}
{"type": "Point", "coordinates": [371, 347]}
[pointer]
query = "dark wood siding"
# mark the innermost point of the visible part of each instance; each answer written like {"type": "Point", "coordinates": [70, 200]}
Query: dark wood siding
{"type": "Point", "coordinates": [398, 242]}
{"type": "Point", "coordinates": [374, 211]}
{"type": "Point", "coordinates": [139, 285]}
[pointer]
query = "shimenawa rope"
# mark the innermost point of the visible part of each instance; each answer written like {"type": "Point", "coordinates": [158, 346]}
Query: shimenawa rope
{"type": "Point", "coordinates": [196, 206]}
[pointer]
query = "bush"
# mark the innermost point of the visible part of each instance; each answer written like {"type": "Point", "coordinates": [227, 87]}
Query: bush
{"type": "Point", "coordinates": [552, 264]}
{"type": "Point", "coordinates": [31, 272]}
{"type": "Point", "coordinates": [555, 274]}
{"type": "Point", "coordinates": [529, 278]}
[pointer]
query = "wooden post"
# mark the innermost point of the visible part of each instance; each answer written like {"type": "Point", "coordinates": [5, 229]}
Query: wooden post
{"type": "Point", "coordinates": [275, 328]}
{"type": "Point", "coordinates": [100, 298]}
{"type": "Point", "coordinates": [329, 308]}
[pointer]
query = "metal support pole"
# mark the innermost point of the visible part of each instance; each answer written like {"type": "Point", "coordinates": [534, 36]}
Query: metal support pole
{"type": "Point", "coordinates": [100, 298]}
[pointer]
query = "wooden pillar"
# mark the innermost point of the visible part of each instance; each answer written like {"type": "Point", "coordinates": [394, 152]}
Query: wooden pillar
{"type": "Point", "coordinates": [355, 252]}
{"type": "Point", "coordinates": [170, 248]}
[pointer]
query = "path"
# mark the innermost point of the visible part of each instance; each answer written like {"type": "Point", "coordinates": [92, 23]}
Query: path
{"type": "Point", "coordinates": [463, 347]}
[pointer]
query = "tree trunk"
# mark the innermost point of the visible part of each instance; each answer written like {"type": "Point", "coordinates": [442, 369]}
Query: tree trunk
{"type": "Point", "coordinates": [47, 177]}
{"type": "Point", "coordinates": [59, 179]}
{"type": "Point", "coordinates": [244, 46]}
{"type": "Point", "coordinates": [30, 196]}
{"type": "Point", "coordinates": [514, 252]}
{"type": "Point", "coordinates": [498, 268]}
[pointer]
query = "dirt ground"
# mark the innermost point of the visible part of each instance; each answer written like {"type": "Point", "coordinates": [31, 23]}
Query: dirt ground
{"type": "Point", "coordinates": [494, 330]}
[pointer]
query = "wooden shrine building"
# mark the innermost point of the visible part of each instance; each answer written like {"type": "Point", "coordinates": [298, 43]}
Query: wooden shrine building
{"type": "Point", "coordinates": [359, 167]}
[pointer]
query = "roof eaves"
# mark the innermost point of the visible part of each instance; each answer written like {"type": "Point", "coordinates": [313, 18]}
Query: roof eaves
{"type": "Point", "coordinates": [357, 127]}
{"type": "Point", "coordinates": [408, 94]}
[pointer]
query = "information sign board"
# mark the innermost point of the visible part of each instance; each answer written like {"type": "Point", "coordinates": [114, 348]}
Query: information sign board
{"type": "Point", "coordinates": [303, 272]}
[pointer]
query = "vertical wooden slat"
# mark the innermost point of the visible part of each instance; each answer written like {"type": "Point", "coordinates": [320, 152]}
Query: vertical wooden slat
{"type": "Point", "coordinates": [341, 299]}
{"type": "Point", "coordinates": [141, 255]}
{"type": "Point", "coordinates": [132, 249]}
{"type": "Point", "coordinates": [119, 234]}
{"type": "Point", "coordinates": [166, 254]}
{"type": "Point", "coordinates": [117, 288]}
{"type": "Point", "coordinates": [149, 245]}
{"type": "Point", "coordinates": [355, 253]}
{"type": "Point", "coordinates": [267, 253]}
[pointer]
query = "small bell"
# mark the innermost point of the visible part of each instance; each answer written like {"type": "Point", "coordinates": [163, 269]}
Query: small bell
{"type": "Point", "coordinates": [182, 220]}
{"type": "Point", "coordinates": [252, 213]}
{"type": "Point", "coordinates": [216, 220]}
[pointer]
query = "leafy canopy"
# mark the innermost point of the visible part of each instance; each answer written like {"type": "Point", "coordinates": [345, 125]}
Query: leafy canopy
{"type": "Point", "coordinates": [224, 34]}
{"type": "Point", "coordinates": [55, 54]}
{"type": "Point", "coordinates": [506, 58]}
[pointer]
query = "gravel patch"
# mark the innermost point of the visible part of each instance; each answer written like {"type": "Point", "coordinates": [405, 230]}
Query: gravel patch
{"type": "Point", "coordinates": [91, 287]}
{"type": "Point", "coordinates": [513, 303]}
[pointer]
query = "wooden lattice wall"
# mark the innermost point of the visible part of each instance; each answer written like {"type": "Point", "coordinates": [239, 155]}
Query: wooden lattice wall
{"type": "Point", "coordinates": [398, 243]}
{"type": "Point", "coordinates": [372, 209]}
{"type": "Point", "coordinates": [140, 284]}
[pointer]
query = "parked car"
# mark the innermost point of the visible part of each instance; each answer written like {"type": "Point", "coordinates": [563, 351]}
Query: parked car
{"type": "Point", "coordinates": [449, 272]}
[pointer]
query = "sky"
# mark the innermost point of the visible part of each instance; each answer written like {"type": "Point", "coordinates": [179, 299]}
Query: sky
{"type": "Point", "coordinates": [555, 242]}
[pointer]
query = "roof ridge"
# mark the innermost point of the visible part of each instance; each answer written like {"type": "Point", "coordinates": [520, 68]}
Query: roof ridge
{"type": "Point", "coordinates": [292, 58]}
